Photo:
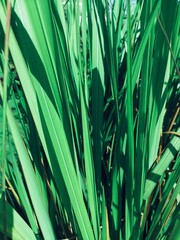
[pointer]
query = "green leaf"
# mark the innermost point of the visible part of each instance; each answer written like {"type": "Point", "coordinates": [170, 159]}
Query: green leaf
{"type": "Point", "coordinates": [17, 228]}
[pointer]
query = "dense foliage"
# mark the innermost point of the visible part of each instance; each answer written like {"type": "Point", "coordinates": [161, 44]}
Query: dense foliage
{"type": "Point", "coordinates": [90, 146]}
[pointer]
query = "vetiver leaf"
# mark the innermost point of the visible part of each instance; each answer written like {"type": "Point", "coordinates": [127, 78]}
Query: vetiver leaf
{"type": "Point", "coordinates": [155, 174]}
{"type": "Point", "coordinates": [17, 228]}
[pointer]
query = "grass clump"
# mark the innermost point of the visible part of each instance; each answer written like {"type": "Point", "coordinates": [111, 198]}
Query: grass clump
{"type": "Point", "coordinates": [92, 106]}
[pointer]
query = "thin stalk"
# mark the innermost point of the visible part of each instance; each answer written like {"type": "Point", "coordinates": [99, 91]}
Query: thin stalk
{"type": "Point", "coordinates": [174, 119]}
{"type": "Point", "coordinates": [169, 46]}
{"type": "Point", "coordinates": [5, 83]}
{"type": "Point", "coordinates": [174, 133]}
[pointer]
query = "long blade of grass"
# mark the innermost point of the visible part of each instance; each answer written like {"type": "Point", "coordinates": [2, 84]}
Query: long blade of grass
{"type": "Point", "coordinates": [89, 166]}
{"type": "Point", "coordinates": [98, 89]}
{"type": "Point", "coordinates": [129, 201]}
{"type": "Point", "coordinates": [4, 127]}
